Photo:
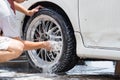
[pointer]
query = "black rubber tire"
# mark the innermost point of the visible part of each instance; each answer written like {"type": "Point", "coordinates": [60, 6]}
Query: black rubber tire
{"type": "Point", "coordinates": [68, 58]}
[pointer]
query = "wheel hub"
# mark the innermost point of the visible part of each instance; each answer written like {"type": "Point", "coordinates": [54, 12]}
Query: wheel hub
{"type": "Point", "coordinates": [45, 37]}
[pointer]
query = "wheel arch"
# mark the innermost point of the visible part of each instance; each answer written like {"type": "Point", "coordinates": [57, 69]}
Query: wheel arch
{"type": "Point", "coordinates": [52, 6]}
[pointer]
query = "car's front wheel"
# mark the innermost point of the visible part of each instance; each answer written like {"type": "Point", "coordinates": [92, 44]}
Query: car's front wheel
{"type": "Point", "coordinates": [48, 25]}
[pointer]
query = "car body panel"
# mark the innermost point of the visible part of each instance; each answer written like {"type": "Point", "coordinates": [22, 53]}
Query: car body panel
{"type": "Point", "coordinates": [96, 53]}
{"type": "Point", "coordinates": [67, 7]}
{"type": "Point", "coordinates": [99, 23]}
{"type": "Point", "coordinates": [92, 41]}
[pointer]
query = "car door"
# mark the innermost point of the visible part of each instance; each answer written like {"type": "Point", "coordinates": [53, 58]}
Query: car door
{"type": "Point", "coordinates": [100, 23]}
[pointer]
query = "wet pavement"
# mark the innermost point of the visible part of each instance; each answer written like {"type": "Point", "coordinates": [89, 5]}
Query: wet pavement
{"type": "Point", "coordinates": [92, 70]}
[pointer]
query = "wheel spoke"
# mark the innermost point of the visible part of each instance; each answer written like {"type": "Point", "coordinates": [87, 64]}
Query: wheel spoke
{"type": "Point", "coordinates": [52, 30]}
{"type": "Point", "coordinates": [55, 38]}
{"type": "Point", "coordinates": [42, 55]}
{"type": "Point", "coordinates": [47, 26]}
{"type": "Point", "coordinates": [57, 32]}
{"type": "Point", "coordinates": [43, 26]}
{"type": "Point", "coordinates": [39, 53]}
{"type": "Point", "coordinates": [50, 56]}
{"type": "Point", "coordinates": [50, 26]}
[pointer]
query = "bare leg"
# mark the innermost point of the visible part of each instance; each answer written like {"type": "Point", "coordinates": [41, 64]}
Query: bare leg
{"type": "Point", "coordinates": [29, 45]}
{"type": "Point", "coordinates": [14, 50]}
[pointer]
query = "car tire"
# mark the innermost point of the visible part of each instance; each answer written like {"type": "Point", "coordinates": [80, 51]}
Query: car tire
{"type": "Point", "coordinates": [61, 31]}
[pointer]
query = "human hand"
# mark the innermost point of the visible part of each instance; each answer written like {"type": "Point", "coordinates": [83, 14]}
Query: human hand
{"type": "Point", "coordinates": [34, 10]}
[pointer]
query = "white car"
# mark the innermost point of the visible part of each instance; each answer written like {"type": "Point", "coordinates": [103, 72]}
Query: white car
{"type": "Point", "coordinates": [82, 28]}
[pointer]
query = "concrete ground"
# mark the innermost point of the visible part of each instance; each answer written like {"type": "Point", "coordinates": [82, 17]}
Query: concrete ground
{"type": "Point", "coordinates": [93, 70]}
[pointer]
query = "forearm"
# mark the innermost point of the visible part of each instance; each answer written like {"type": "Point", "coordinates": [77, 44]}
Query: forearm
{"type": "Point", "coordinates": [20, 8]}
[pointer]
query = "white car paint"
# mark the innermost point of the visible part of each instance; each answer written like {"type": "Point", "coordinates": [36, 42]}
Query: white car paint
{"type": "Point", "coordinates": [96, 25]}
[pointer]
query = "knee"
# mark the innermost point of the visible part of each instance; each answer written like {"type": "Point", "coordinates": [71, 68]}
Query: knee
{"type": "Point", "coordinates": [13, 52]}
{"type": "Point", "coordinates": [20, 47]}
{"type": "Point", "coordinates": [16, 53]}
{"type": "Point", "coordinates": [19, 50]}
